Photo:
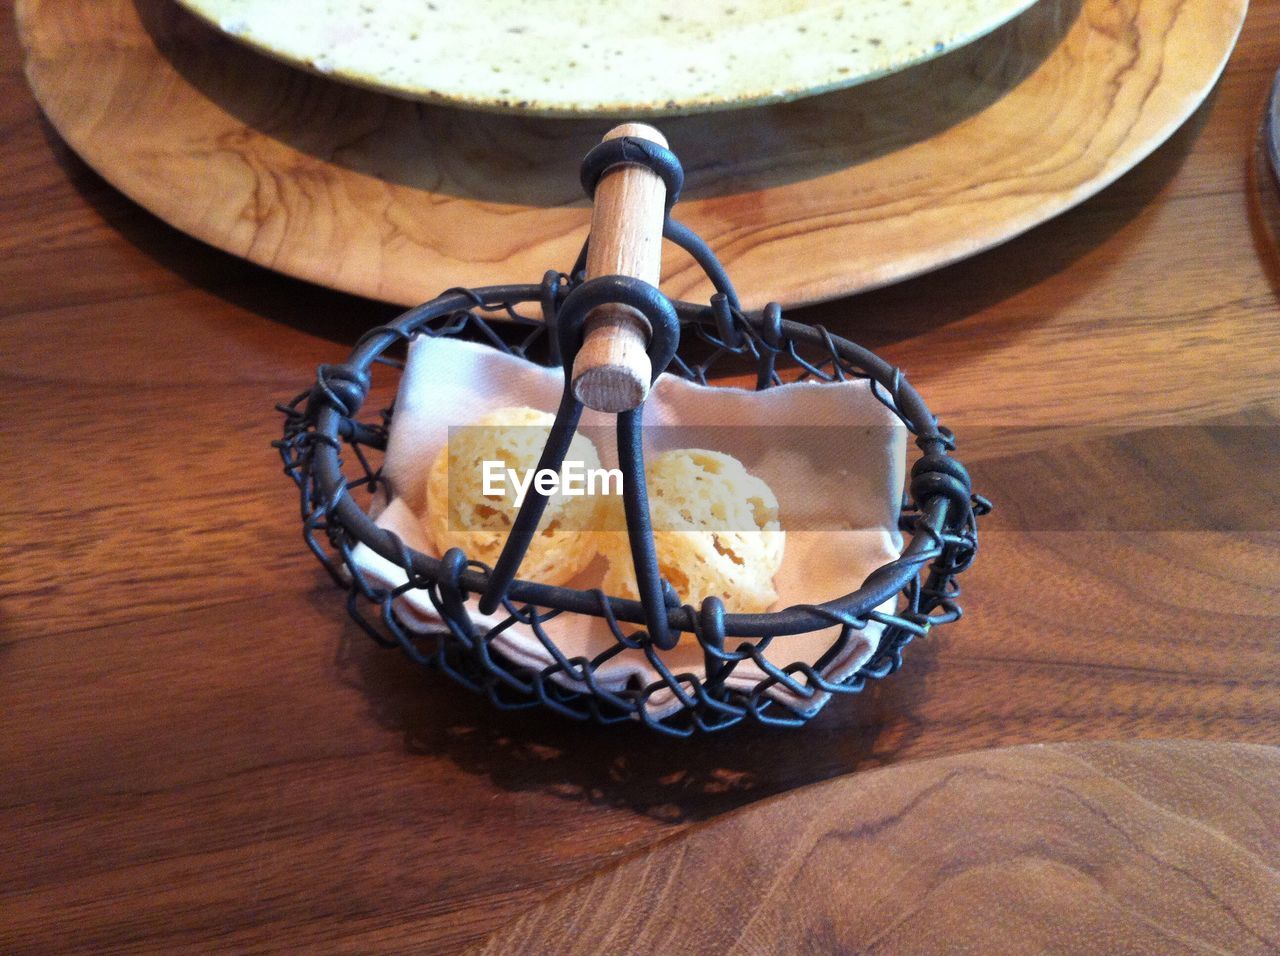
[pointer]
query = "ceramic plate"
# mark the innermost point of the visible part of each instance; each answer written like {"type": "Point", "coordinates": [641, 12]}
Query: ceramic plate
{"type": "Point", "coordinates": [606, 57]}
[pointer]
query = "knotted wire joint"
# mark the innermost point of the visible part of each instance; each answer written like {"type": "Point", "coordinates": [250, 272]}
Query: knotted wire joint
{"type": "Point", "coordinates": [341, 387]}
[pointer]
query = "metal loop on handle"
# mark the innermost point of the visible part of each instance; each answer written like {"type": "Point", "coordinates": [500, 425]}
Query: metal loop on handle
{"type": "Point", "coordinates": [633, 150]}
{"type": "Point", "coordinates": [664, 336]}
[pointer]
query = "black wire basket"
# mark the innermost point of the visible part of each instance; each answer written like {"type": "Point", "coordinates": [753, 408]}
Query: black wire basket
{"type": "Point", "coordinates": [334, 456]}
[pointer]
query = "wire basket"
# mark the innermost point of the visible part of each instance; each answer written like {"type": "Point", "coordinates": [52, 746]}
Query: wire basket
{"type": "Point", "coordinates": [333, 455]}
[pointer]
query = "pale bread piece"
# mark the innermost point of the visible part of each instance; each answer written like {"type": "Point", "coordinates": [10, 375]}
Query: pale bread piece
{"type": "Point", "coordinates": [460, 515]}
{"type": "Point", "coordinates": [716, 530]}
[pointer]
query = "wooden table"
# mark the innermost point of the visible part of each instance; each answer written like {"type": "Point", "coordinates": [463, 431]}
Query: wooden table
{"type": "Point", "coordinates": [199, 750]}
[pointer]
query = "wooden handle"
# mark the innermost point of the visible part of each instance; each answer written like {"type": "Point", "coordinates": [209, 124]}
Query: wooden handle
{"type": "Point", "coordinates": [612, 370]}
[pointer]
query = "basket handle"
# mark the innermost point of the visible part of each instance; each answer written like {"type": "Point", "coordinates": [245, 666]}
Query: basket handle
{"type": "Point", "coordinates": [612, 371]}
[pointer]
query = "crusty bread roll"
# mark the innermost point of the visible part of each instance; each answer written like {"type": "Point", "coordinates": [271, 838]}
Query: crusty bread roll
{"type": "Point", "coordinates": [460, 515]}
{"type": "Point", "coordinates": [716, 531]}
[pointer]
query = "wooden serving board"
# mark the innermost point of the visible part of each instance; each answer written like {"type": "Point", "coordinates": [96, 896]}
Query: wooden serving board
{"type": "Point", "coordinates": [804, 201]}
{"type": "Point", "coordinates": [1153, 847]}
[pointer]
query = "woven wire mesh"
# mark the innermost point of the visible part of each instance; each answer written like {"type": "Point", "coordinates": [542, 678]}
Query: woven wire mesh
{"type": "Point", "coordinates": [335, 457]}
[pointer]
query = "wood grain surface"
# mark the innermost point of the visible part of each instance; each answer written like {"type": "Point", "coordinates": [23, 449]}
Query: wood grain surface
{"type": "Point", "coordinates": [200, 753]}
{"type": "Point", "coordinates": [1166, 847]}
{"type": "Point", "coordinates": [805, 201]}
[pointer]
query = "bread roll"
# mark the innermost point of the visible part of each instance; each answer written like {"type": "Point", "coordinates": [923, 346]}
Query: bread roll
{"type": "Point", "coordinates": [716, 531]}
{"type": "Point", "coordinates": [460, 515]}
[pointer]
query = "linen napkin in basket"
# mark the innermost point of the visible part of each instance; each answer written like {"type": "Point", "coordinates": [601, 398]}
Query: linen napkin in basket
{"type": "Point", "coordinates": [833, 454]}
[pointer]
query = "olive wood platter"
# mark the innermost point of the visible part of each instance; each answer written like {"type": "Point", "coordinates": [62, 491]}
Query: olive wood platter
{"type": "Point", "coordinates": [804, 201]}
{"type": "Point", "coordinates": [1138, 847]}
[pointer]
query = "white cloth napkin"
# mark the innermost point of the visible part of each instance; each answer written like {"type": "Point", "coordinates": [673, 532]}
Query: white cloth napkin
{"type": "Point", "coordinates": [833, 454]}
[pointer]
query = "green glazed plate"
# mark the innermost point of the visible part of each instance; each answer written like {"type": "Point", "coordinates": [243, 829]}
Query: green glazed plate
{"type": "Point", "coordinates": [604, 58]}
